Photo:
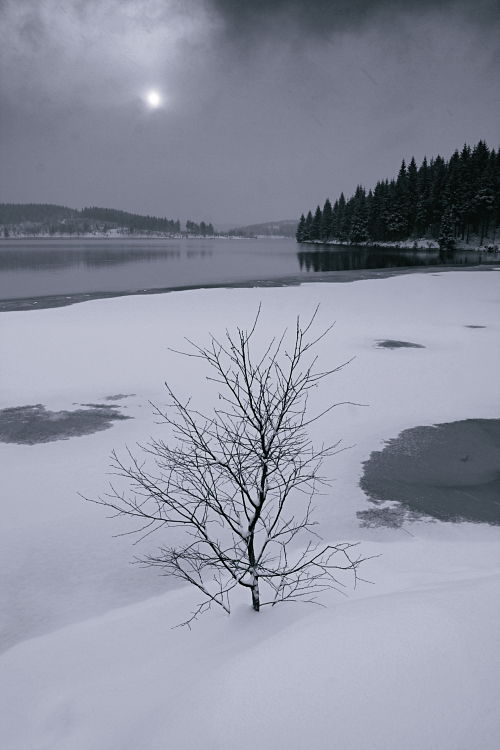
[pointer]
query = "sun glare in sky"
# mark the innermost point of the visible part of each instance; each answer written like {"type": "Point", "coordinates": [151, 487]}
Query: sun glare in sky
{"type": "Point", "coordinates": [153, 99]}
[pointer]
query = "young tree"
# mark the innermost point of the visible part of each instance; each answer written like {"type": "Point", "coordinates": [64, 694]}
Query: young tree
{"type": "Point", "coordinates": [240, 481]}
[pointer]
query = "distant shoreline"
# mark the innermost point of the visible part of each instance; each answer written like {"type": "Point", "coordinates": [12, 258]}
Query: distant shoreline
{"type": "Point", "coordinates": [121, 237]}
{"type": "Point", "coordinates": [413, 244]}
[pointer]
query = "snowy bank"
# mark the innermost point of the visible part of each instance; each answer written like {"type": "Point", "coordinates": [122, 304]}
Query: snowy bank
{"type": "Point", "coordinates": [417, 243]}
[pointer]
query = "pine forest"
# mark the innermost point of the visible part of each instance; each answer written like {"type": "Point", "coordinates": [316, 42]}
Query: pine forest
{"type": "Point", "coordinates": [448, 201]}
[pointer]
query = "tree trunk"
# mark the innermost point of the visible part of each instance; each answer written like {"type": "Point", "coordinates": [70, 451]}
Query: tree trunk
{"type": "Point", "coordinates": [255, 595]}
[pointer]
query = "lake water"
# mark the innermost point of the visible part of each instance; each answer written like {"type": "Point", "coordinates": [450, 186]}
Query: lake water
{"type": "Point", "coordinates": [51, 272]}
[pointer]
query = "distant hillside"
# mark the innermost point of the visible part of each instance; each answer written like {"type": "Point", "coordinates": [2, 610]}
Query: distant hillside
{"type": "Point", "coordinates": [49, 219]}
{"type": "Point", "coordinates": [37, 213]}
{"type": "Point", "coordinates": [285, 228]}
{"type": "Point", "coordinates": [133, 222]}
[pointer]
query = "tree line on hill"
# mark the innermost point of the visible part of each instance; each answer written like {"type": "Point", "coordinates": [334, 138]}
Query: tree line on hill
{"type": "Point", "coordinates": [442, 200]}
{"type": "Point", "coordinates": [133, 222]}
{"type": "Point", "coordinates": [51, 219]}
{"type": "Point", "coordinates": [283, 228]}
{"type": "Point", "coordinates": [202, 228]}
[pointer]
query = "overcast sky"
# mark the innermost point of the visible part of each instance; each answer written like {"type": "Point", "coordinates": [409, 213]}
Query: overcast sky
{"type": "Point", "coordinates": [267, 106]}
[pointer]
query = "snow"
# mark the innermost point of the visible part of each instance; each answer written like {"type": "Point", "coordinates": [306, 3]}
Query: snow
{"type": "Point", "coordinates": [410, 660]}
{"type": "Point", "coordinates": [414, 243]}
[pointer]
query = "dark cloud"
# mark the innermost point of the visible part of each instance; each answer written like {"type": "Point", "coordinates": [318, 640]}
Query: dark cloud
{"type": "Point", "coordinates": [323, 17]}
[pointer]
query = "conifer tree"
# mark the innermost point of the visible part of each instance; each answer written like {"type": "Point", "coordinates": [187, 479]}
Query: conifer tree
{"type": "Point", "coordinates": [326, 221]}
{"type": "Point", "coordinates": [446, 231]}
{"type": "Point", "coordinates": [308, 227]}
{"type": "Point", "coordinates": [412, 194]}
{"type": "Point", "coordinates": [358, 230]}
{"type": "Point", "coordinates": [300, 233]}
{"type": "Point", "coordinates": [316, 225]}
{"type": "Point", "coordinates": [341, 219]}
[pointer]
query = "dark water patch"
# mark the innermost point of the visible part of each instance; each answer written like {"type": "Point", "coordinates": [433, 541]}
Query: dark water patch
{"type": "Point", "coordinates": [471, 326]}
{"type": "Point", "coordinates": [393, 344]}
{"type": "Point", "coordinates": [33, 424]}
{"type": "Point", "coordinates": [450, 472]}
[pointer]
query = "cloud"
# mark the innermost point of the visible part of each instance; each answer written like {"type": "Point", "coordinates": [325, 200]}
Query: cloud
{"type": "Point", "coordinates": [98, 51]}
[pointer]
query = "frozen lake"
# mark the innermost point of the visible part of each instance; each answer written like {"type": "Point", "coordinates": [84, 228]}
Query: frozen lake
{"type": "Point", "coordinates": [54, 272]}
{"type": "Point", "coordinates": [87, 637]}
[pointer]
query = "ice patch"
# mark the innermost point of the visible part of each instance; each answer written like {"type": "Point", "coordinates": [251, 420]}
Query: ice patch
{"type": "Point", "coordinates": [33, 424]}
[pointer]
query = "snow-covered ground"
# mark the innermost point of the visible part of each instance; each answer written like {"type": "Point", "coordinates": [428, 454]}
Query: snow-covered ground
{"type": "Point", "coordinates": [410, 660]}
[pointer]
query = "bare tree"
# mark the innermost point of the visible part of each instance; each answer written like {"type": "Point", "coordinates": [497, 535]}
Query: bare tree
{"type": "Point", "coordinates": [240, 482]}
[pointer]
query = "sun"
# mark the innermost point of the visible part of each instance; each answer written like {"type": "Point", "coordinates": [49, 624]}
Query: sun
{"type": "Point", "coordinates": [153, 99]}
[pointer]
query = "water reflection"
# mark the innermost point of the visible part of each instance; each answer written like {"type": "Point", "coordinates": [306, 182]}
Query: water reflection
{"type": "Point", "coordinates": [364, 258]}
{"type": "Point", "coordinates": [199, 253]}
{"type": "Point", "coordinates": [53, 259]}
